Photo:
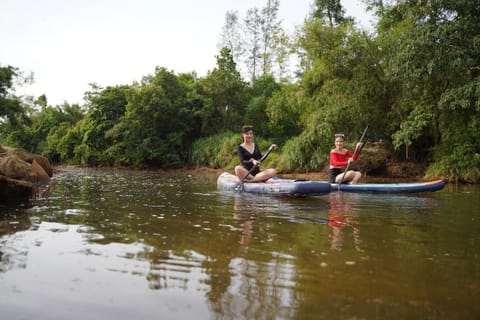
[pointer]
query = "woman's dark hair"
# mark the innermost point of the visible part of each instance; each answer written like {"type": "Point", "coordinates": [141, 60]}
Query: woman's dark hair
{"type": "Point", "coordinates": [246, 129]}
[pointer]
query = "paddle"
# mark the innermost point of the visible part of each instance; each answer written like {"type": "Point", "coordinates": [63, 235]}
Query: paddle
{"type": "Point", "coordinates": [355, 153]}
{"type": "Point", "coordinates": [239, 186]}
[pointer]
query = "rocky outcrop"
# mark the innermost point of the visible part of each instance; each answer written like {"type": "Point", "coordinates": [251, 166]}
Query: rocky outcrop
{"type": "Point", "coordinates": [23, 174]}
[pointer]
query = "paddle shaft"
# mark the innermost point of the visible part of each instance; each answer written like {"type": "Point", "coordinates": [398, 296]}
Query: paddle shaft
{"type": "Point", "coordinates": [356, 152]}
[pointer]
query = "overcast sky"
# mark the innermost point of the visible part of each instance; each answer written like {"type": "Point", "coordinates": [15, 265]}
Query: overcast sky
{"type": "Point", "coordinates": [68, 44]}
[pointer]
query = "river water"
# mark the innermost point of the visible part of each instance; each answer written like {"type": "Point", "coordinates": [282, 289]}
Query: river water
{"type": "Point", "coordinates": [127, 244]}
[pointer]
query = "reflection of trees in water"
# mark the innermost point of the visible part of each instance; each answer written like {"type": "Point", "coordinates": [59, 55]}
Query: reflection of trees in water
{"type": "Point", "coordinates": [258, 290]}
{"type": "Point", "coordinates": [12, 220]}
{"type": "Point", "coordinates": [237, 288]}
{"type": "Point", "coordinates": [262, 287]}
{"type": "Point", "coordinates": [233, 259]}
{"type": "Point", "coordinates": [169, 270]}
{"type": "Point", "coordinates": [238, 280]}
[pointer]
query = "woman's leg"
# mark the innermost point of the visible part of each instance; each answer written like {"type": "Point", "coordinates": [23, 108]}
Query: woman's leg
{"type": "Point", "coordinates": [240, 172]}
{"type": "Point", "coordinates": [356, 177]}
{"type": "Point", "coordinates": [265, 175]}
{"type": "Point", "coordinates": [351, 177]}
{"type": "Point", "coordinates": [341, 176]}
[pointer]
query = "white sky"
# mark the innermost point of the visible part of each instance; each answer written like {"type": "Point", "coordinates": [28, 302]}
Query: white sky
{"type": "Point", "coordinates": [68, 44]}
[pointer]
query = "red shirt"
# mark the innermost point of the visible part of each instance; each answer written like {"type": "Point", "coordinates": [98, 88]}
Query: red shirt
{"type": "Point", "coordinates": [340, 159]}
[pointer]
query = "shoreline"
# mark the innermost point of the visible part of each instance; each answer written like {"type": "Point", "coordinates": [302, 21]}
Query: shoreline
{"type": "Point", "coordinates": [212, 173]}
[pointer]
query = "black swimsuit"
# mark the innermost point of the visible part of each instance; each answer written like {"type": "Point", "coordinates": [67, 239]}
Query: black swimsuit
{"type": "Point", "coordinates": [245, 157]}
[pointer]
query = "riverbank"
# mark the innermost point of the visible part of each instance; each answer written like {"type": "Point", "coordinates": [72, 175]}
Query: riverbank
{"type": "Point", "coordinates": [395, 172]}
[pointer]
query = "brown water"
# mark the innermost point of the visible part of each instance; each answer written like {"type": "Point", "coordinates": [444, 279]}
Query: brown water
{"type": "Point", "coordinates": [147, 245]}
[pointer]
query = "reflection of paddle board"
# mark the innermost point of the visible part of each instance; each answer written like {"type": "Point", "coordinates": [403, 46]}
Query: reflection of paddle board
{"type": "Point", "coordinates": [275, 186]}
{"type": "Point", "coordinates": [408, 187]}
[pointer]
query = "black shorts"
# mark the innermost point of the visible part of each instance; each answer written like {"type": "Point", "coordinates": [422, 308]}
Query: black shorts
{"type": "Point", "coordinates": [333, 173]}
{"type": "Point", "coordinates": [254, 172]}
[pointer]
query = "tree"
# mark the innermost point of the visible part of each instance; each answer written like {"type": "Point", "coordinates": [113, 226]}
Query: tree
{"type": "Point", "coordinates": [330, 11]}
{"type": "Point", "coordinates": [253, 32]}
{"type": "Point", "coordinates": [264, 39]}
{"type": "Point", "coordinates": [256, 113]}
{"type": "Point", "coordinates": [270, 28]}
{"type": "Point", "coordinates": [10, 105]}
{"type": "Point", "coordinates": [431, 54]}
{"type": "Point", "coordinates": [225, 96]}
{"type": "Point", "coordinates": [106, 107]}
{"type": "Point", "coordinates": [283, 51]}
{"type": "Point", "coordinates": [153, 129]}
{"type": "Point", "coordinates": [231, 36]}
{"type": "Point", "coordinates": [259, 44]}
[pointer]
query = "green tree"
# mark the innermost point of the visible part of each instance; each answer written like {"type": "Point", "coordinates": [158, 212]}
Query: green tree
{"type": "Point", "coordinates": [49, 130]}
{"type": "Point", "coordinates": [105, 108]}
{"type": "Point", "coordinates": [153, 129]}
{"type": "Point", "coordinates": [256, 112]}
{"type": "Point", "coordinates": [11, 107]}
{"type": "Point", "coordinates": [330, 11]}
{"type": "Point", "coordinates": [284, 109]}
{"type": "Point", "coordinates": [30, 122]}
{"type": "Point", "coordinates": [434, 56]}
{"type": "Point", "coordinates": [49, 118]}
{"type": "Point", "coordinates": [339, 77]}
{"type": "Point", "coordinates": [341, 90]}
{"type": "Point", "coordinates": [225, 96]}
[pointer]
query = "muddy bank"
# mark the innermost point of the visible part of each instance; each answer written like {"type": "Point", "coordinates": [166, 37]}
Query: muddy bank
{"type": "Point", "coordinates": [387, 171]}
{"type": "Point", "coordinates": [393, 172]}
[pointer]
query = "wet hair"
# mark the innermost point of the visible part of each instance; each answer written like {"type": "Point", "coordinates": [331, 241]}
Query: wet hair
{"type": "Point", "coordinates": [246, 129]}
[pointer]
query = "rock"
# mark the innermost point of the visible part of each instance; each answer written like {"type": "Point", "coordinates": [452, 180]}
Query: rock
{"type": "Point", "coordinates": [15, 168]}
{"type": "Point", "coordinates": [22, 174]}
{"type": "Point", "coordinates": [38, 170]}
{"type": "Point", "coordinates": [12, 189]}
{"type": "Point", "coordinates": [19, 153]}
{"type": "Point", "coordinates": [44, 163]}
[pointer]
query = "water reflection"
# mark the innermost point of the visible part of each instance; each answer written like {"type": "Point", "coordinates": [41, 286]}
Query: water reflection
{"type": "Point", "coordinates": [343, 216]}
{"type": "Point", "coordinates": [247, 210]}
{"type": "Point", "coordinates": [245, 214]}
{"type": "Point", "coordinates": [13, 219]}
{"type": "Point", "coordinates": [171, 270]}
{"type": "Point", "coordinates": [147, 244]}
{"type": "Point", "coordinates": [262, 283]}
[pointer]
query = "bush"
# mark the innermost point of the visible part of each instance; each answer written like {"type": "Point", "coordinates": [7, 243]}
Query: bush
{"type": "Point", "coordinates": [461, 165]}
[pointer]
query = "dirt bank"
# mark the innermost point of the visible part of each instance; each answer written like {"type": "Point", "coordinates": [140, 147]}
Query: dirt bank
{"type": "Point", "coordinates": [390, 172]}
{"type": "Point", "coordinates": [387, 171]}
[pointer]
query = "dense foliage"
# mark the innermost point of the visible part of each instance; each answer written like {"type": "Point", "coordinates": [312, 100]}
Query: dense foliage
{"type": "Point", "coordinates": [415, 79]}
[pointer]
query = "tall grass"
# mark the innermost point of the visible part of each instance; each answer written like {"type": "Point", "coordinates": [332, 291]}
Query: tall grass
{"type": "Point", "coordinates": [220, 151]}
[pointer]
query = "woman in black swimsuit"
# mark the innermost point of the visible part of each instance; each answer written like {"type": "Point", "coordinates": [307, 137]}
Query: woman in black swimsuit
{"type": "Point", "coordinates": [250, 154]}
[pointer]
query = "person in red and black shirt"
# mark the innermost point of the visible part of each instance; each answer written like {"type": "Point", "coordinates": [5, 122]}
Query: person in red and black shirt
{"type": "Point", "coordinates": [339, 160]}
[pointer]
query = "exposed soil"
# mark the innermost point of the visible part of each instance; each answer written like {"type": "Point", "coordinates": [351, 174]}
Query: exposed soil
{"type": "Point", "coordinates": [389, 171]}
{"type": "Point", "coordinates": [375, 164]}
